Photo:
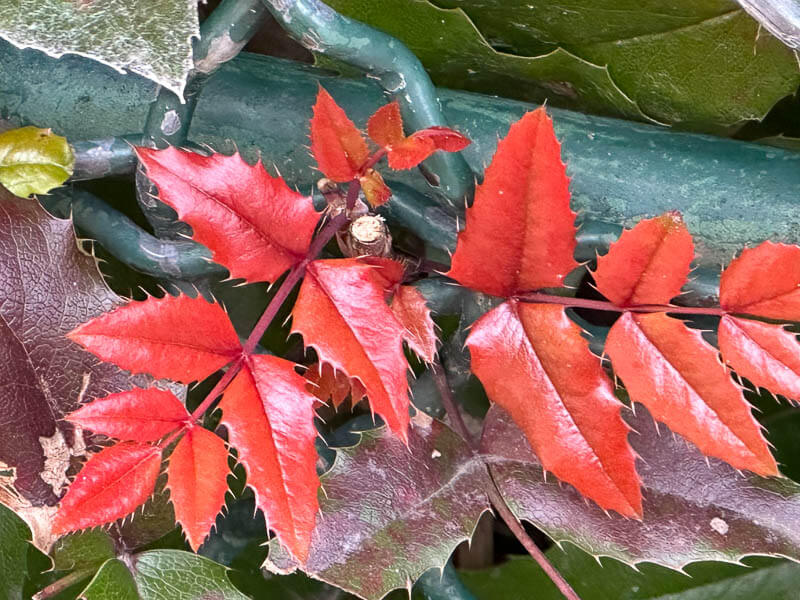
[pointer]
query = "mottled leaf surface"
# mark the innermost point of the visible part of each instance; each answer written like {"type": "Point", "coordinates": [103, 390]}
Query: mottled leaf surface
{"type": "Point", "coordinates": [14, 544]}
{"type": "Point", "coordinates": [176, 575]}
{"type": "Point", "coordinates": [34, 161]}
{"type": "Point", "coordinates": [695, 508]}
{"type": "Point", "coordinates": [390, 512]}
{"type": "Point", "coordinates": [149, 37]}
{"type": "Point", "coordinates": [47, 287]}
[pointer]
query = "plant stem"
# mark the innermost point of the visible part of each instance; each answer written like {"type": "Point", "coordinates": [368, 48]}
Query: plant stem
{"type": "Point", "coordinates": [493, 492]}
{"type": "Point", "coordinates": [537, 297]}
{"type": "Point", "coordinates": [60, 585]}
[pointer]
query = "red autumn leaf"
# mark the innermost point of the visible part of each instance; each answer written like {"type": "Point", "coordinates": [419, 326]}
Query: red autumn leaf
{"type": "Point", "coordinates": [533, 361]}
{"type": "Point", "coordinates": [763, 281]}
{"type": "Point", "coordinates": [254, 224]}
{"type": "Point", "coordinates": [197, 482]}
{"type": "Point", "coordinates": [678, 376]}
{"type": "Point", "coordinates": [375, 190]}
{"type": "Point", "coordinates": [520, 232]}
{"type": "Point", "coordinates": [337, 145]}
{"type": "Point", "coordinates": [137, 415]}
{"type": "Point", "coordinates": [328, 384]}
{"type": "Point", "coordinates": [111, 485]}
{"type": "Point", "coordinates": [270, 420]}
{"type": "Point", "coordinates": [185, 339]}
{"type": "Point", "coordinates": [409, 306]}
{"type": "Point", "coordinates": [767, 355]}
{"type": "Point", "coordinates": [385, 127]}
{"type": "Point", "coordinates": [649, 263]}
{"type": "Point", "coordinates": [341, 312]}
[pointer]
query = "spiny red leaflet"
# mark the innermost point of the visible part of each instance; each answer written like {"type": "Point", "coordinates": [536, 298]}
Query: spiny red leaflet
{"type": "Point", "coordinates": [765, 354]}
{"type": "Point", "coordinates": [139, 415]}
{"type": "Point", "coordinates": [677, 375]}
{"type": "Point", "coordinates": [197, 482]}
{"type": "Point", "coordinates": [649, 263]}
{"type": "Point", "coordinates": [520, 232]}
{"type": "Point", "coordinates": [328, 384]}
{"type": "Point", "coordinates": [533, 361]}
{"type": "Point", "coordinates": [270, 420]}
{"type": "Point", "coordinates": [763, 281]}
{"type": "Point", "coordinates": [341, 312]}
{"type": "Point", "coordinates": [385, 128]}
{"type": "Point", "coordinates": [253, 223]}
{"type": "Point", "coordinates": [375, 190]}
{"type": "Point", "coordinates": [181, 338]}
{"type": "Point", "coordinates": [111, 485]}
{"type": "Point", "coordinates": [337, 145]}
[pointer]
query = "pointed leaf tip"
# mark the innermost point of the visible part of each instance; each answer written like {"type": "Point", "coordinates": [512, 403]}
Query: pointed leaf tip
{"type": "Point", "coordinates": [520, 232]}
{"type": "Point", "coordinates": [336, 143]}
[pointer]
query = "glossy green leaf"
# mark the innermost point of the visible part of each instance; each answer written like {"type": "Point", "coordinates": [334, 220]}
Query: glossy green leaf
{"type": "Point", "coordinates": [149, 37]}
{"type": "Point", "coordinates": [390, 512]}
{"type": "Point", "coordinates": [14, 545]}
{"type": "Point", "coordinates": [695, 508]}
{"type": "Point", "coordinates": [177, 575]}
{"type": "Point", "coordinates": [90, 548]}
{"type": "Point", "coordinates": [593, 580]}
{"type": "Point", "coordinates": [33, 161]}
{"type": "Point", "coordinates": [704, 64]}
{"type": "Point", "coordinates": [112, 582]}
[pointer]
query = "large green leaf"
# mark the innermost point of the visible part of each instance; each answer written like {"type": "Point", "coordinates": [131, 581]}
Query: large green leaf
{"type": "Point", "coordinates": [112, 582]}
{"type": "Point", "coordinates": [82, 550]}
{"type": "Point", "coordinates": [14, 545]}
{"type": "Point", "coordinates": [177, 575]}
{"type": "Point", "coordinates": [388, 512]}
{"type": "Point", "coordinates": [703, 64]}
{"type": "Point", "coordinates": [149, 37]}
{"type": "Point", "coordinates": [34, 161]}
{"type": "Point", "coordinates": [520, 578]}
{"type": "Point", "coordinates": [694, 508]}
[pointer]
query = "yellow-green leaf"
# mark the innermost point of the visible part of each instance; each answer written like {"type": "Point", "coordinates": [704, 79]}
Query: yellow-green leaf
{"type": "Point", "coordinates": [34, 161]}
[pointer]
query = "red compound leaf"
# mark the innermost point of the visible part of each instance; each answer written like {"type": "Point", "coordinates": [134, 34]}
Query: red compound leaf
{"type": "Point", "coordinates": [197, 482]}
{"type": "Point", "coordinates": [185, 339]}
{"type": "Point", "coordinates": [533, 361]}
{"type": "Point", "coordinates": [337, 145]}
{"type": "Point", "coordinates": [678, 376]}
{"type": "Point", "coordinates": [253, 223]}
{"type": "Point", "coordinates": [328, 384]}
{"type": "Point", "coordinates": [763, 281]}
{"type": "Point", "coordinates": [137, 415]}
{"type": "Point", "coordinates": [269, 415]}
{"type": "Point", "coordinates": [342, 313]}
{"type": "Point", "coordinates": [767, 355]}
{"type": "Point", "coordinates": [385, 128]}
{"type": "Point", "coordinates": [111, 485]}
{"type": "Point", "coordinates": [520, 232]}
{"type": "Point", "coordinates": [649, 264]}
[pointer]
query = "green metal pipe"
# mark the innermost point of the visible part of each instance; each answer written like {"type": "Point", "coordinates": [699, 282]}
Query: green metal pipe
{"type": "Point", "coordinates": [731, 193]}
{"type": "Point", "coordinates": [386, 59]}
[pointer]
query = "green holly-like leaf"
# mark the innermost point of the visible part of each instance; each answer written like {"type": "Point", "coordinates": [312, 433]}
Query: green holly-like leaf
{"type": "Point", "coordinates": [113, 581]}
{"type": "Point", "coordinates": [177, 575]}
{"type": "Point", "coordinates": [82, 550]}
{"type": "Point", "coordinates": [390, 512]}
{"type": "Point", "coordinates": [705, 64]}
{"type": "Point", "coordinates": [149, 37]}
{"type": "Point", "coordinates": [14, 545]}
{"type": "Point", "coordinates": [593, 580]}
{"type": "Point", "coordinates": [34, 161]}
{"type": "Point", "coordinates": [695, 508]}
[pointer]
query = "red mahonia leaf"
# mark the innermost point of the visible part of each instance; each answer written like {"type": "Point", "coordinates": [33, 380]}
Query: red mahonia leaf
{"type": "Point", "coordinates": [253, 223]}
{"type": "Point", "coordinates": [385, 127]}
{"type": "Point", "coordinates": [763, 281]}
{"type": "Point", "coordinates": [375, 190]}
{"type": "Point", "coordinates": [111, 485]}
{"type": "Point", "coordinates": [270, 420]}
{"type": "Point", "coordinates": [765, 354]}
{"type": "Point", "coordinates": [520, 232]}
{"type": "Point", "coordinates": [341, 312]}
{"type": "Point", "coordinates": [533, 361]}
{"type": "Point", "coordinates": [409, 306]}
{"type": "Point", "coordinates": [677, 375]}
{"type": "Point", "coordinates": [649, 263]}
{"type": "Point", "coordinates": [197, 482]}
{"type": "Point", "coordinates": [337, 145]}
{"type": "Point", "coordinates": [326, 383]}
{"type": "Point", "coordinates": [183, 338]}
{"type": "Point", "coordinates": [137, 415]}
